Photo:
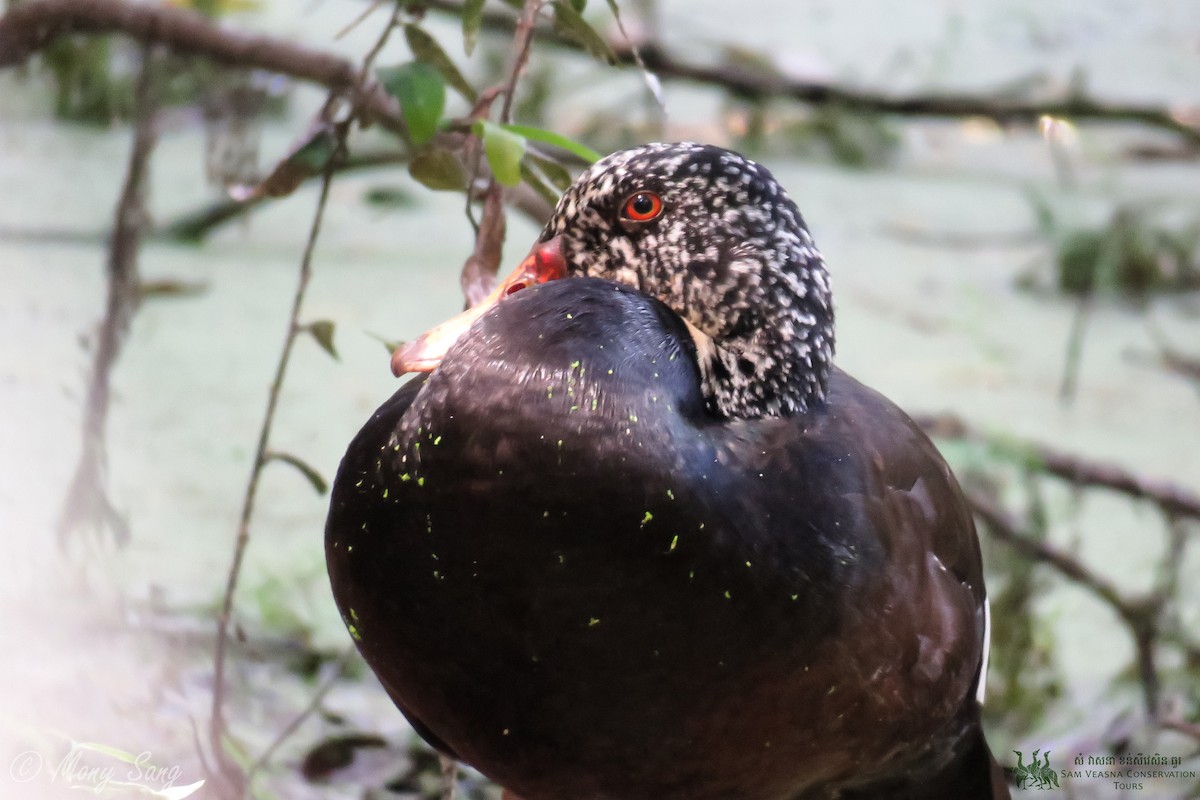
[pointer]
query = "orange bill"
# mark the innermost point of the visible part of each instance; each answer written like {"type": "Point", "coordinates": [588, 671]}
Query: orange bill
{"type": "Point", "coordinates": [544, 263]}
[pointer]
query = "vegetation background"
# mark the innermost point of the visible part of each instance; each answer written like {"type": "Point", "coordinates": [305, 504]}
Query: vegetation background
{"type": "Point", "coordinates": [1007, 193]}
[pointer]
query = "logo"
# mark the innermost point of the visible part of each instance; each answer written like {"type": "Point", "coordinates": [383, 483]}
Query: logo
{"type": "Point", "coordinates": [1034, 775]}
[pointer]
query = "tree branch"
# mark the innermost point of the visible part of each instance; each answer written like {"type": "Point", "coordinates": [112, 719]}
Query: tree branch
{"type": "Point", "coordinates": [1005, 528]}
{"type": "Point", "coordinates": [31, 26]}
{"type": "Point", "coordinates": [1140, 615]}
{"type": "Point", "coordinates": [1172, 499]}
{"type": "Point", "coordinates": [195, 226]}
{"type": "Point", "coordinates": [87, 498]}
{"type": "Point", "coordinates": [760, 84]}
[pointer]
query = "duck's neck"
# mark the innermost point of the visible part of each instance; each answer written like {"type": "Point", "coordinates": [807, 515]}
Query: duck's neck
{"type": "Point", "coordinates": [780, 365]}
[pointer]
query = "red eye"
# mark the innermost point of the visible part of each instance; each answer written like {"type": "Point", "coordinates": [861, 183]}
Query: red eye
{"type": "Point", "coordinates": [642, 207]}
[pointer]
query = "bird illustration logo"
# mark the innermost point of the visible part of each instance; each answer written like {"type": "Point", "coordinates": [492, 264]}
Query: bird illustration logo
{"type": "Point", "coordinates": [1035, 775]}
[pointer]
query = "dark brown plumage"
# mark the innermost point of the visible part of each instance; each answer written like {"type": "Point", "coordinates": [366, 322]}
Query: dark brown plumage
{"type": "Point", "coordinates": [636, 538]}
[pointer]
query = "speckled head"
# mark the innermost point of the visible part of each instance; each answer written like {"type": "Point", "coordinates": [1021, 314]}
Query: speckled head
{"type": "Point", "coordinates": [714, 236]}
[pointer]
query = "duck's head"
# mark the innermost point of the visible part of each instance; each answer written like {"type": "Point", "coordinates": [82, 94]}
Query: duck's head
{"type": "Point", "coordinates": [712, 235]}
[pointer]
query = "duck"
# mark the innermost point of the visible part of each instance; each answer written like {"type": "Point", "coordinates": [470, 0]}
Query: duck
{"type": "Point", "coordinates": [630, 534]}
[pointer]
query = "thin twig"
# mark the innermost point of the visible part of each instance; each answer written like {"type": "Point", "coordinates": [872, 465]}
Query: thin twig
{"type": "Point", "coordinates": [1171, 498]}
{"type": "Point", "coordinates": [472, 148]}
{"type": "Point", "coordinates": [653, 85]}
{"type": "Point", "coordinates": [522, 40]}
{"type": "Point", "coordinates": [217, 724]}
{"type": "Point", "coordinates": [338, 668]}
{"type": "Point", "coordinates": [364, 74]}
{"type": "Point", "coordinates": [479, 270]}
{"type": "Point", "coordinates": [262, 450]}
{"type": "Point", "coordinates": [368, 11]}
{"type": "Point", "coordinates": [195, 226]}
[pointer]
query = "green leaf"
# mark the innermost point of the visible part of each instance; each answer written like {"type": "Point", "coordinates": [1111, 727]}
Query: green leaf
{"type": "Point", "coordinates": [438, 169]}
{"type": "Point", "coordinates": [472, 19]}
{"type": "Point", "coordinates": [504, 151]}
{"type": "Point", "coordinates": [571, 24]}
{"type": "Point", "coordinates": [313, 155]}
{"type": "Point", "coordinates": [422, 95]}
{"type": "Point", "coordinates": [428, 51]}
{"type": "Point", "coordinates": [314, 477]}
{"type": "Point", "coordinates": [579, 5]}
{"type": "Point", "coordinates": [557, 139]}
{"type": "Point", "coordinates": [392, 345]}
{"type": "Point", "coordinates": [322, 330]}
